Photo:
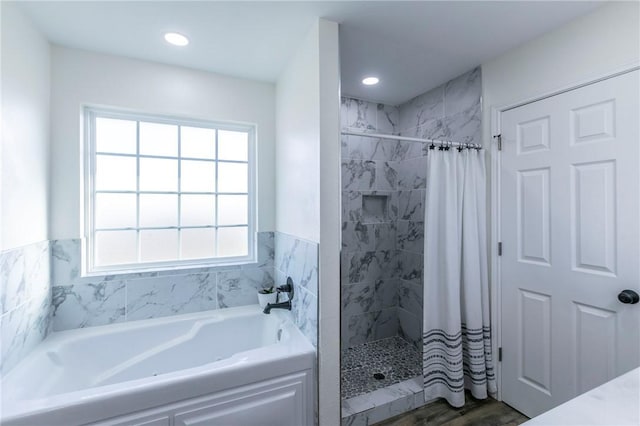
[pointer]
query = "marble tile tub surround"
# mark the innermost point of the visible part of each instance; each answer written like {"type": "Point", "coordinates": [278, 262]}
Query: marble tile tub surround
{"type": "Point", "coordinates": [25, 301]}
{"type": "Point", "coordinates": [91, 301]}
{"type": "Point", "coordinates": [298, 259]}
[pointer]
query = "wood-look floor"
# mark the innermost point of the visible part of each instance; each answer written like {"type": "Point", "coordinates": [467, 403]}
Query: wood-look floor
{"type": "Point", "coordinates": [488, 412]}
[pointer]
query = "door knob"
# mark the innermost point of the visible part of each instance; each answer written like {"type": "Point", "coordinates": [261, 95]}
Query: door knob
{"type": "Point", "coordinates": [628, 296]}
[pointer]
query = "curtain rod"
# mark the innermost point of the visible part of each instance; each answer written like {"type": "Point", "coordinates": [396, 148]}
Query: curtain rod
{"type": "Point", "coordinates": [408, 139]}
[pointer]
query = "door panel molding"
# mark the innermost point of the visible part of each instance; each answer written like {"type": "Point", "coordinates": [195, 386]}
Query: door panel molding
{"type": "Point", "coordinates": [495, 202]}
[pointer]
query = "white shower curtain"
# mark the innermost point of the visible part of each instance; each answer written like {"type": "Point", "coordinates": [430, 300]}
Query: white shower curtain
{"type": "Point", "coordinates": [456, 324]}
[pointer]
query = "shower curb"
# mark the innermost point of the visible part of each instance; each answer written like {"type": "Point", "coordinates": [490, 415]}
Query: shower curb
{"type": "Point", "coordinates": [384, 403]}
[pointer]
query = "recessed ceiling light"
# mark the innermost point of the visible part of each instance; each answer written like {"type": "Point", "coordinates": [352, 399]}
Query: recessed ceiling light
{"type": "Point", "coordinates": [370, 81]}
{"type": "Point", "coordinates": [176, 39]}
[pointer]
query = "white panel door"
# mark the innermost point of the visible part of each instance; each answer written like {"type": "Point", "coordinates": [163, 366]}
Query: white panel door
{"type": "Point", "coordinates": [569, 228]}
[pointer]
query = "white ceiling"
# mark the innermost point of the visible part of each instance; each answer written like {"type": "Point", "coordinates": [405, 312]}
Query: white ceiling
{"type": "Point", "coordinates": [410, 46]}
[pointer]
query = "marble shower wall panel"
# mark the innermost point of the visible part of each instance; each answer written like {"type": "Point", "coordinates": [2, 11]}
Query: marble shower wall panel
{"type": "Point", "coordinates": [410, 327]}
{"type": "Point", "coordinates": [369, 311]}
{"type": "Point", "coordinates": [421, 109]}
{"type": "Point", "coordinates": [412, 173]}
{"type": "Point", "coordinates": [369, 326]}
{"type": "Point", "coordinates": [298, 259]}
{"type": "Point", "coordinates": [389, 250]}
{"type": "Point", "coordinates": [410, 301]}
{"type": "Point", "coordinates": [361, 237]}
{"type": "Point", "coordinates": [411, 205]}
{"type": "Point", "coordinates": [369, 262]}
{"type": "Point", "coordinates": [357, 114]}
{"type": "Point", "coordinates": [451, 111]}
{"type": "Point", "coordinates": [25, 301]}
{"type": "Point", "coordinates": [369, 266]}
{"type": "Point", "coordinates": [91, 301]}
{"type": "Point", "coordinates": [410, 236]}
{"type": "Point", "coordinates": [463, 92]}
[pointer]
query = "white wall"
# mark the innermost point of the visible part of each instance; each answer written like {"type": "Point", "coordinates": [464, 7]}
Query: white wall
{"type": "Point", "coordinates": [79, 78]}
{"type": "Point", "coordinates": [308, 185]}
{"type": "Point", "coordinates": [588, 47]}
{"type": "Point", "coordinates": [330, 225]}
{"type": "Point", "coordinates": [298, 143]}
{"type": "Point", "coordinates": [25, 131]}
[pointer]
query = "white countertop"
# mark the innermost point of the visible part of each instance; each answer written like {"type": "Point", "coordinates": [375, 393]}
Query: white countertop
{"type": "Point", "coordinates": [614, 403]}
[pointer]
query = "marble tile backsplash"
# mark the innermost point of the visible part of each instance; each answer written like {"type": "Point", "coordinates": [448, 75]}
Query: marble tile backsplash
{"type": "Point", "coordinates": [41, 290]}
{"type": "Point", "coordinates": [298, 259]}
{"type": "Point", "coordinates": [90, 301]}
{"type": "Point", "coordinates": [25, 301]}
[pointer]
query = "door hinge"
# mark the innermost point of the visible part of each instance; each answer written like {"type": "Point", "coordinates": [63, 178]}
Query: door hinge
{"type": "Point", "coordinates": [499, 354]}
{"type": "Point", "coordinates": [499, 139]}
{"type": "Point", "coordinates": [500, 248]}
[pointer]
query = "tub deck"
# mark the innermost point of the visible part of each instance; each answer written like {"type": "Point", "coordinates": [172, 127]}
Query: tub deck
{"type": "Point", "coordinates": [131, 366]}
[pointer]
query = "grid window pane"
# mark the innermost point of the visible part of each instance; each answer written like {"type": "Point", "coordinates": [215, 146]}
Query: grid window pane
{"type": "Point", "coordinates": [198, 176]}
{"type": "Point", "coordinates": [158, 139]}
{"type": "Point", "coordinates": [181, 192]}
{"type": "Point", "coordinates": [233, 177]}
{"type": "Point", "coordinates": [197, 142]}
{"type": "Point", "coordinates": [233, 209]}
{"type": "Point", "coordinates": [115, 173]}
{"type": "Point", "coordinates": [118, 136]}
{"type": "Point", "coordinates": [158, 245]}
{"type": "Point", "coordinates": [115, 248]}
{"type": "Point", "coordinates": [115, 211]}
{"type": "Point", "coordinates": [198, 210]}
{"type": "Point", "coordinates": [233, 242]}
{"type": "Point", "coordinates": [158, 210]}
{"type": "Point", "coordinates": [157, 174]}
{"type": "Point", "coordinates": [198, 243]}
{"type": "Point", "coordinates": [233, 145]}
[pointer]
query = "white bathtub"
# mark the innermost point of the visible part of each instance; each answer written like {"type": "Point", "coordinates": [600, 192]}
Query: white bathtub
{"type": "Point", "coordinates": [230, 366]}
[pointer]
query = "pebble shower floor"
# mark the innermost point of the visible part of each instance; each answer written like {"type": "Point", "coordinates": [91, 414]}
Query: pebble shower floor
{"type": "Point", "coordinates": [392, 357]}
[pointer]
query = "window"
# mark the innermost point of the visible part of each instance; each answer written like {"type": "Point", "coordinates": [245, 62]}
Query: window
{"type": "Point", "coordinates": [167, 192]}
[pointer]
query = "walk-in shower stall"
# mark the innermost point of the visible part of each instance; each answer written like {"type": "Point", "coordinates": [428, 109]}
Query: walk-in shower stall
{"type": "Point", "coordinates": [384, 185]}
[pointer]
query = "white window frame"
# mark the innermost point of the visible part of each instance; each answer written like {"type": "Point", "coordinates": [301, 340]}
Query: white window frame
{"type": "Point", "coordinates": [90, 114]}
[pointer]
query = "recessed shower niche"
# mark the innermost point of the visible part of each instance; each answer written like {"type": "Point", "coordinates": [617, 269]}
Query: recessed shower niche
{"type": "Point", "coordinates": [375, 208]}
